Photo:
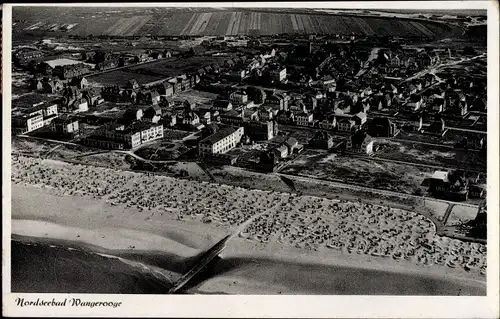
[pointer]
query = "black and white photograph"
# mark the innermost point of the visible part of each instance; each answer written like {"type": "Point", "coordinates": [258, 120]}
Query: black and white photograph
{"type": "Point", "coordinates": [248, 150]}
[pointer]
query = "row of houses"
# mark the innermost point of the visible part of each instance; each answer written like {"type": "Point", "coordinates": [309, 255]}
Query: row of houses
{"type": "Point", "coordinates": [124, 136]}
{"type": "Point", "coordinates": [357, 142]}
{"type": "Point", "coordinates": [454, 185]}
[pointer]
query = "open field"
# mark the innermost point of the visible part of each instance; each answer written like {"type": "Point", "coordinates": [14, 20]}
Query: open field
{"type": "Point", "coordinates": [431, 155]}
{"type": "Point", "coordinates": [232, 22]}
{"type": "Point", "coordinates": [163, 150]}
{"type": "Point", "coordinates": [360, 171]}
{"type": "Point", "coordinates": [121, 78]}
{"type": "Point", "coordinates": [153, 71]}
{"type": "Point", "coordinates": [196, 97]}
{"type": "Point", "coordinates": [172, 66]}
{"type": "Point", "coordinates": [302, 135]}
{"type": "Point", "coordinates": [461, 214]}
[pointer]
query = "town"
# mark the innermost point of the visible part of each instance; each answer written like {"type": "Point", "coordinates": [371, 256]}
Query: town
{"type": "Point", "coordinates": [392, 119]}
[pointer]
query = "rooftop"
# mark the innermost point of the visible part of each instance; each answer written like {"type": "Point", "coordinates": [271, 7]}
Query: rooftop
{"type": "Point", "coordinates": [219, 135]}
{"type": "Point", "coordinates": [442, 175]}
{"type": "Point", "coordinates": [64, 61]}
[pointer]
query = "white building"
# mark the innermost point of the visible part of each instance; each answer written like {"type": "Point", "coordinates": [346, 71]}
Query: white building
{"type": "Point", "coordinates": [345, 124]}
{"type": "Point", "coordinates": [65, 126]}
{"type": "Point", "coordinates": [304, 119]}
{"type": "Point", "coordinates": [27, 123]}
{"type": "Point", "coordinates": [278, 75]}
{"type": "Point", "coordinates": [221, 142]}
{"type": "Point", "coordinates": [238, 98]}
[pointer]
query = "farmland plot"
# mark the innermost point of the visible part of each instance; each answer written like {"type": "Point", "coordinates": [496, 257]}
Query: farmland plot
{"type": "Point", "coordinates": [200, 24]}
{"type": "Point", "coordinates": [266, 23]}
{"type": "Point", "coordinates": [306, 22]}
{"type": "Point", "coordinates": [245, 22]}
{"type": "Point", "coordinates": [127, 26]}
{"type": "Point", "coordinates": [236, 22]}
{"type": "Point", "coordinates": [139, 23]}
{"type": "Point", "coordinates": [274, 27]}
{"type": "Point", "coordinates": [164, 26]}
{"type": "Point", "coordinates": [189, 24]}
{"type": "Point", "coordinates": [367, 29]}
{"type": "Point", "coordinates": [255, 22]}
{"type": "Point", "coordinates": [317, 25]}
{"type": "Point", "coordinates": [421, 28]}
{"type": "Point", "coordinates": [223, 23]}
{"type": "Point", "coordinates": [287, 24]}
{"type": "Point", "coordinates": [211, 28]}
{"type": "Point", "coordinates": [94, 26]}
{"type": "Point", "coordinates": [236, 26]}
{"type": "Point", "coordinates": [230, 25]}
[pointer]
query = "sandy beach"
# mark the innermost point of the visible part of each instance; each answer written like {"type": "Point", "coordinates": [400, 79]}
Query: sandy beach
{"type": "Point", "coordinates": [127, 214]}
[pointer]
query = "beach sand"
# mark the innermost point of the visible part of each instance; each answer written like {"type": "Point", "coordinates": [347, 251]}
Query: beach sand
{"type": "Point", "coordinates": [298, 244]}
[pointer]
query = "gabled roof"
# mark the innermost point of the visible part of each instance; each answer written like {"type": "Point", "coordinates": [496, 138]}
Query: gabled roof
{"type": "Point", "coordinates": [219, 135]}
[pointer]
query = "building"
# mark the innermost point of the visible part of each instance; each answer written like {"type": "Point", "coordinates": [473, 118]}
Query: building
{"type": "Point", "coordinates": [278, 74]}
{"type": "Point", "coordinates": [258, 96]}
{"type": "Point", "coordinates": [345, 124]}
{"type": "Point", "coordinates": [321, 140]}
{"type": "Point", "coordinates": [205, 116]}
{"type": "Point", "coordinates": [360, 142]}
{"type": "Point", "coordinates": [265, 113]}
{"type": "Point", "coordinates": [276, 99]}
{"type": "Point", "coordinates": [220, 142]}
{"type": "Point", "coordinates": [310, 102]}
{"type": "Point", "coordinates": [286, 117]}
{"type": "Point", "coordinates": [152, 114]}
{"type": "Point", "coordinates": [68, 69]}
{"type": "Point", "coordinates": [449, 185]}
{"type": "Point", "coordinates": [23, 56]}
{"type": "Point", "coordinates": [169, 119]}
{"type": "Point", "coordinates": [232, 117]}
{"type": "Point", "coordinates": [26, 123]}
{"type": "Point", "coordinates": [222, 105]}
{"type": "Point", "coordinates": [65, 126]}
{"type": "Point", "coordinates": [437, 127]}
{"type": "Point", "coordinates": [51, 86]}
{"type": "Point", "coordinates": [359, 118]}
{"type": "Point", "coordinates": [382, 127]}
{"type": "Point", "coordinates": [328, 123]}
{"type": "Point", "coordinates": [147, 97]}
{"type": "Point", "coordinates": [280, 151]}
{"type": "Point", "coordinates": [414, 103]}
{"type": "Point", "coordinates": [197, 50]}
{"type": "Point", "coordinates": [260, 131]}
{"type": "Point", "coordinates": [80, 82]}
{"type": "Point", "coordinates": [437, 103]}
{"type": "Point", "coordinates": [239, 97]}
{"type": "Point", "coordinates": [304, 119]}
{"type": "Point", "coordinates": [119, 136]}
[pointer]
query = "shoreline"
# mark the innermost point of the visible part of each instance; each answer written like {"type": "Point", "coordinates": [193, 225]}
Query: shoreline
{"type": "Point", "coordinates": [173, 256]}
{"type": "Point", "coordinates": [133, 213]}
{"type": "Point", "coordinates": [241, 281]}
